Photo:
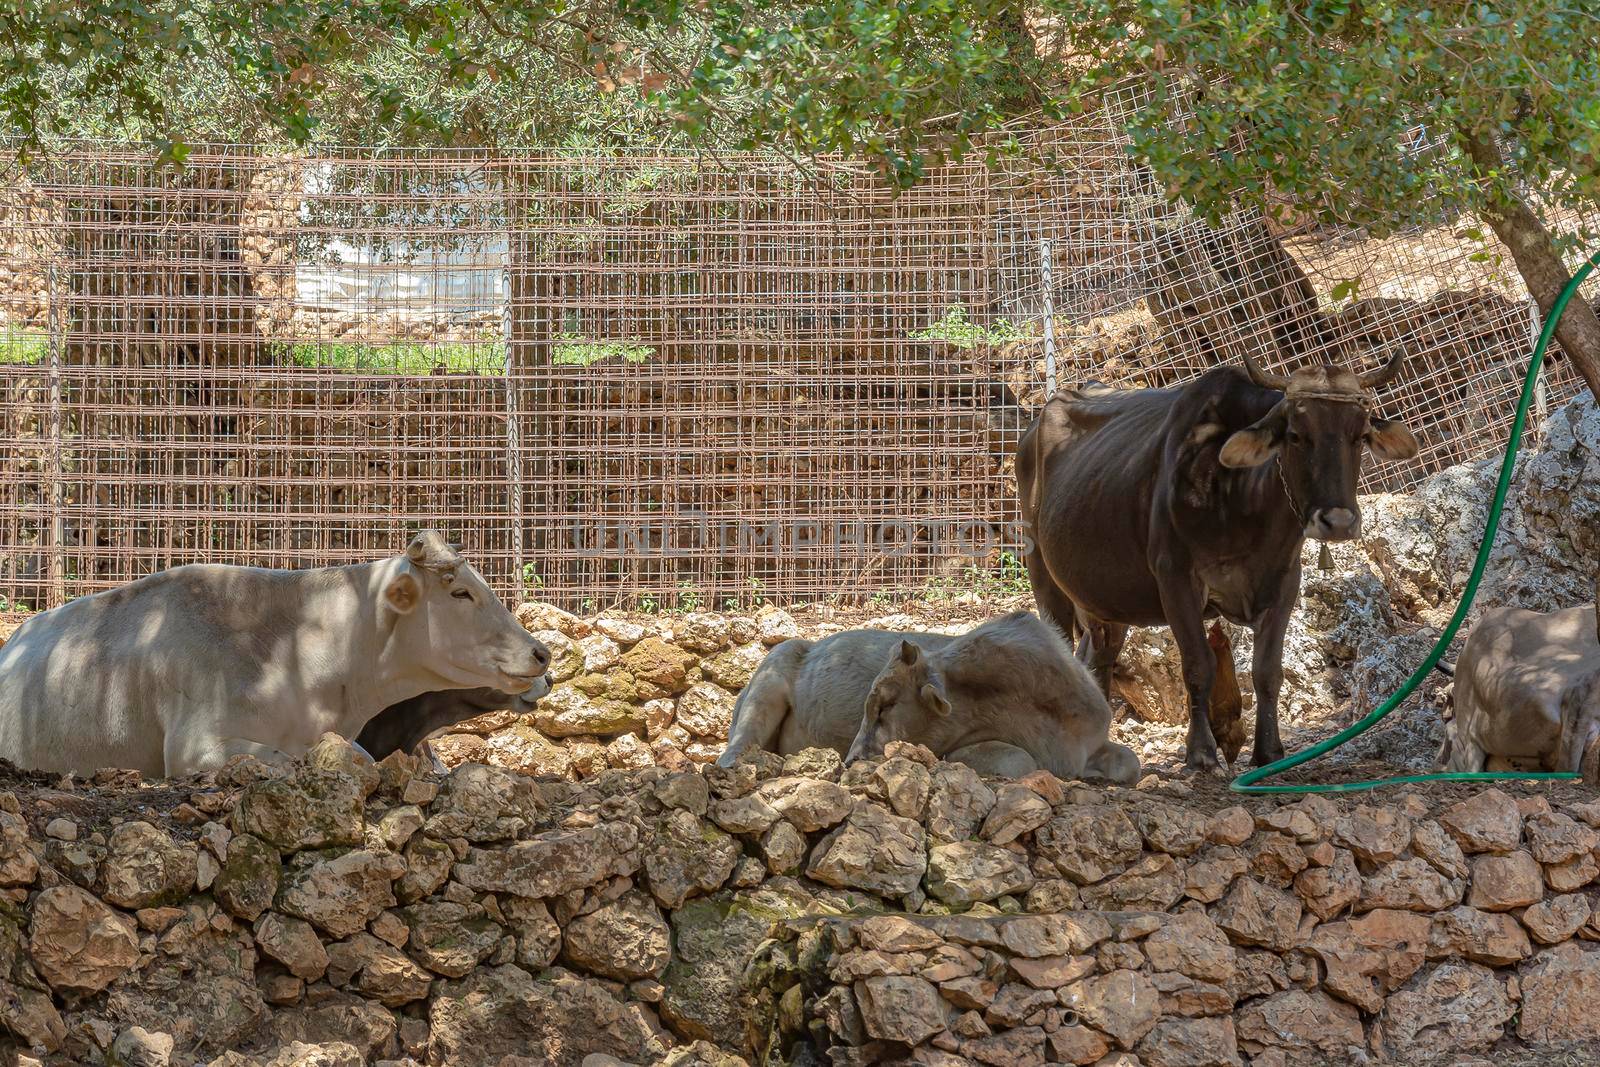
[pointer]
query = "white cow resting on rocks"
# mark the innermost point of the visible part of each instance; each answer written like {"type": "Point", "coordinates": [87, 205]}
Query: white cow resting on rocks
{"type": "Point", "coordinates": [175, 673]}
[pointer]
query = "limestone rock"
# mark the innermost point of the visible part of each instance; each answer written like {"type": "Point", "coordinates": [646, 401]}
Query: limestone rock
{"type": "Point", "coordinates": [342, 893]}
{"type": "Point", "coordinates": [1558, 838]}
{"type": "Point", "coordinates": [1433, 843]}
{"type": "Point", "coordinates": [145, 867]}
{"type": "Point", "coordinates": [1374, 834]}
{"type": "Point", "coordinates": [1454, 1008]}
{"type": "Point", "coordinates": [1257, 914]}
{"type": "Point", "coordinates": [336, 1017]}
{"type": "Point", "coordinates": [1555, 919]}
{"type": "Point", "coordinates": [686, 857]}
{"type": "Point", "coordinates": [138, 1047]}
{"type": "Point", "coordinates": [293, 943]}
{"type": "Point", "coordinates": [1017, 810]}
{"type": "Point", "coordinates": [377, 970]}
{"type": "Point", "coordinates": [428, 863]}
{"type": "Point", "coordinates": [1503, 882]}
{"type": "Point", "coordinates": [501, 1015]}
{"type": "Point", "coordinates": [250, 877]}
{"type": "Point", "coordinates": [77, 943]}
{"type": "Point", "coordinates": [874, 851]}
{"type": "Point", "coordinates": [448, 938]}
{"type": "Point", "coordinates": [537, 933]}
{"type": "Point", "coordinates": [958, 803]}
{"type": "Point", "coordinates": [1309, 1027]}
{"type": "Point", "coordinates": [714, 938]}
{"type": "Point", "coordinates": [774, 626]}
{"type": "Point", "coordinates": [1035, 936]}
{"type": "Point", "coordinates": [555, 862]}
{"type": "Point", "coordinates": [706, 710]}
{"type": "Point", "coordinates": [1155, 883]}
{"type": "Point", "coordinates": [483, 803]}
{"type": "Point", "coordinates": [1190, 944]}
{"type": "Point", "coordinates": [1211, 872]}
{"type": "Point", "coordinates": [1486, 822]}
{"type": "Point", "coordinates": [783, 848]}
{"type": "Point", "coordinates": [1559, 991]}
{"type": "Point", "coordinates": [1328, 890]}
{"type": "Point", "coordinates": [1089, 843]}
{"type": "Point", "coordinates": [1496, 939]}
{"type": "Point", "coordinates": [311, 808]}
{"type": "Point", "coordinates": [733, 669]}
{"type": "Point", "coordinates": [809, 804]}
{"type": "Point", "coordinates": [659, 669]}
{"type": "Point", "coordinates": [1206, 1042]}
{"type": "Point", "coordinates": [906, 785]}
{"type": "Point", "coordinates": [625, 939]}
{"type": "Point", "coordinates": [199, 985]}
{"type": "Point", "coordinates": [897, 1008]}
{"type": "Point", "coordinates": [1171, 829]}
{"type": "Point", "coordinates": [966, 872]}
{"type": "Point", "coordinates": [1409, 885]}
{"type": "Point", "coordinates": [1368, 957]}
{"type": "Point", "coordinates": [1123, 1004]}
{"type": "Point", "coordinates": [332, 752]}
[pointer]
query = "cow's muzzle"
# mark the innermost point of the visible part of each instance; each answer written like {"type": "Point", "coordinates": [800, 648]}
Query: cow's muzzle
{"type": "Point", "coordinates": [1334, 524]}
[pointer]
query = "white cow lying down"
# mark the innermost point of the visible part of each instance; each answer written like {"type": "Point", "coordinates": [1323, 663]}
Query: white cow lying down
{"type": "Point", "coordinates": [1527, 692]}
{"type": "Point", "coordinates": [174, 673]}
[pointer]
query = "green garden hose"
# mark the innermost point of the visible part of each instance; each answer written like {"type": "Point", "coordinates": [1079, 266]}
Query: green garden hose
{"type": "Point", "coordinates": [1246, 783]}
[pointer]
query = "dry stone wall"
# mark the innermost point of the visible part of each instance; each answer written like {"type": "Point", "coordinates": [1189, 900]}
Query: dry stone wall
{"type": "Point", "coordinates": [783, 911]}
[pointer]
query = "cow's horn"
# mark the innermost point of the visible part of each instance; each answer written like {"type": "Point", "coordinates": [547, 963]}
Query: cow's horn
{"type": "Point", "coordinates": [1263, 378]}
{"type": "Point", "coordinates": [1377, 379]}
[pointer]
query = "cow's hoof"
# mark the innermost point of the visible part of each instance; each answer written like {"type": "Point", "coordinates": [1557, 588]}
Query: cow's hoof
{"type": "Point", "coordinates": [1262, 759]}
{"type": "Point", "coordinates": [1204, 763]}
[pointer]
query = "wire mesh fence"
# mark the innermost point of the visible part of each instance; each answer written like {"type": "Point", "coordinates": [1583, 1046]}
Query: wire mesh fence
{"type": "Point", "coordinates": [643, 378]}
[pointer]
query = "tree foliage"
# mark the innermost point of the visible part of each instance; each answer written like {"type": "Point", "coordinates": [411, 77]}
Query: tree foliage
{"type": "Point", "coordinates": [1378, 113]}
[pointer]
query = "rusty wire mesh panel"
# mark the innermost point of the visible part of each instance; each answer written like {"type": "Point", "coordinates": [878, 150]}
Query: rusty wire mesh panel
{"type": "Point", "coordinates": [643, 378]}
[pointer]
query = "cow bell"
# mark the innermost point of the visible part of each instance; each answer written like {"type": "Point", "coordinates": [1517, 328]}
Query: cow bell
{"type": "Point", "coordinates": [1324, 558]}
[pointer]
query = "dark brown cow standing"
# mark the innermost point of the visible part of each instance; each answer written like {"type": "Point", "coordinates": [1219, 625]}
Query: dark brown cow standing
{"type": "Point", "coordinates": [1168, 507]}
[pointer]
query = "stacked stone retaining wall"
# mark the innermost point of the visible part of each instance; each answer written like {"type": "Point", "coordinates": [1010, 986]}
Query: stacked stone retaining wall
{"type": "Point", "coordinates": [784, 911]}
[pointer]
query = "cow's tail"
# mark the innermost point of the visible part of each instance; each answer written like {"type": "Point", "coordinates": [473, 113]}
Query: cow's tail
{"type": "Point", "coordinates": [1446, 669]}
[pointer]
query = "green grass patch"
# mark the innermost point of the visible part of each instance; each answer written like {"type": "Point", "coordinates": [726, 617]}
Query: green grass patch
{"type": "Point", "coordinates": [575, 350]}
{"type": "Point", "coordinates": [401, 357]}
{"type": "Point", "coordinates": [24, 349]}
{"type": "Point", "coordinates": [958, 330]}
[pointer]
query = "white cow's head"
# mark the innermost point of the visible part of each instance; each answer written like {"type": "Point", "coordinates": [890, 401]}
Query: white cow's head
{"type": "Point", "coordinates": [448, 622]}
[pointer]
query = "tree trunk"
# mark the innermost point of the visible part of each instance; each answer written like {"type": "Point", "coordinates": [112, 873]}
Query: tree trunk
{"type": "Point", "coordinates": [1534, 251]}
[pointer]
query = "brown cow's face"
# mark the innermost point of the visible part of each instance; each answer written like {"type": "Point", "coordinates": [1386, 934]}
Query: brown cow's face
{"type": "Point", "coordinates": [1317, 442]}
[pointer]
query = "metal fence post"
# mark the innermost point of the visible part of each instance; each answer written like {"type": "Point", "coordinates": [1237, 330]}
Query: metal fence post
{"type": "Point", "coordinates": [1049, 318]}
{"type": "Point", "coordinates": [513, 435]}
{"type": "Point", "coordinates": [57, 562]}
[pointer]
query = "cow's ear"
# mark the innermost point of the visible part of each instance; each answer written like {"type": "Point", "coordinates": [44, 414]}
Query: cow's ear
{"type": "Point", "coordinates": [934, 701]}
{"type": "Point", "coordinates": [1390, 440]}
{"type": "Point", "coordinates": [403, 591]}
{"type": "Point", "coordinates": [1254, 445]}
{"type": "Point", "coordinates": [909, 653]}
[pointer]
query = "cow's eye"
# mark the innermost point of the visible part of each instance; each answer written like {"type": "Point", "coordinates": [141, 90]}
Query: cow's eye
{"type": "Point", "coordinates": [462, 594]}
{"type": "Point", "coordinates": [1294, 437]}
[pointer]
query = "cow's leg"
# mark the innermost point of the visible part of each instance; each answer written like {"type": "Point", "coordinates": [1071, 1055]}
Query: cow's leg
{"type": "Point", "coordinates": [1113, 762]}
{"type": "Point", "coordinates": [758, 715]}
{"type": "Point", "coordinates": [1052, 604]}
{"type": "Point", "coordinates": [997, 759]}
{"type": "Point", "coordinates": [198, 753]}
{"type": "Point", "coordinates": [1184, 607]}
{"type": "Point", "coordinates": [1266, 672]}
{"type": "Point", "coordinates": [1105, 641]}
